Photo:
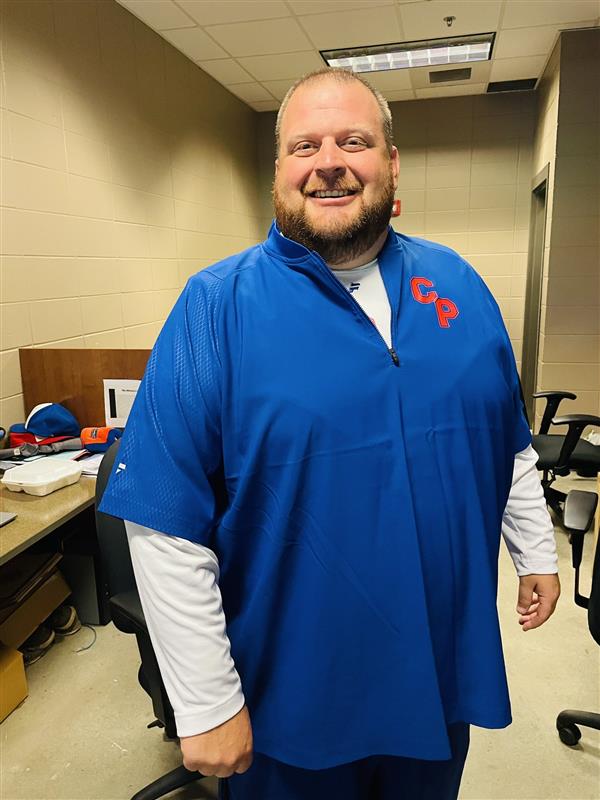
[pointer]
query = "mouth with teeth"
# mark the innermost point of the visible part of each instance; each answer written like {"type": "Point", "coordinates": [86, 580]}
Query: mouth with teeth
{"type": "Point", "coordinates": [332, 193]}
{"type": "Point", "coordinates": [332, 197]}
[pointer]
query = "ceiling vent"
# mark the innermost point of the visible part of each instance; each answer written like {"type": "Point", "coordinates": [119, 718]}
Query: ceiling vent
{"type": "Point", "coordinates": [521, 85]}
{"type": "Point", "coordinates": [450, 75]}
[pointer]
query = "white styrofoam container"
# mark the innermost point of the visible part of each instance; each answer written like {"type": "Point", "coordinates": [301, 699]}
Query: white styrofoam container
{"type": "Point", "coordinates": [42, 477]}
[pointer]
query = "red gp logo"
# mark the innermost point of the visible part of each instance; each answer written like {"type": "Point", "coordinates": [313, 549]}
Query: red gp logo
{"type": "Point", "coordinates": [444, 308]}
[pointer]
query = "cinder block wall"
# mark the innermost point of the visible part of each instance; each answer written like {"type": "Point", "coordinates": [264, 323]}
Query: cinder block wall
{"type": "Point", "coordinates": [125, 169]}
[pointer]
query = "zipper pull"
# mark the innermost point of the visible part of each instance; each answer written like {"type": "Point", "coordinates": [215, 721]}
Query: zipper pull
{"type": "Point", "coordinates": [394, 356]}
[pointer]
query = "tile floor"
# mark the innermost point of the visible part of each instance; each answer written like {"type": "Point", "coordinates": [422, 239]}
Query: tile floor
{"type": "Point", "coordinates": [81, 733]}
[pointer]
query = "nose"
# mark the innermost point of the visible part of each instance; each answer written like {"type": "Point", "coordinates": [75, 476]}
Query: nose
{"type": "Point", "coordinates": [330, 163]}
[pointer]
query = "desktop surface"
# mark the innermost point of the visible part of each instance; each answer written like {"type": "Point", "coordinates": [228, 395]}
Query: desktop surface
{"type": "Point", "coordinates": [39, 516]}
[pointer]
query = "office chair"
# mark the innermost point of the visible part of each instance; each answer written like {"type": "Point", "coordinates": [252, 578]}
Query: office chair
{"type": "Point", "coordinates": [560, 454]}
{"type": "Point", "coordinates": [128, 617]}
{"type": "Point", "coordinates": [578, 515]}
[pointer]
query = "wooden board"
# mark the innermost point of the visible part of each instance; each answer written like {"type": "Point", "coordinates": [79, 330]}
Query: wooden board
{"type": "Point", "coordinates": [74, 378]}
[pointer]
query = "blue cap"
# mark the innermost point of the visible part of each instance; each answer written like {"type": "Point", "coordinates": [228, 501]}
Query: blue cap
{"type": "Point", "coordinates": [52, 419]}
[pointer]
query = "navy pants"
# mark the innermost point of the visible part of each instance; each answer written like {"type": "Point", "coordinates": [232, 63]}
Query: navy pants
{"type": "Point", "coordinates": [374, 778]}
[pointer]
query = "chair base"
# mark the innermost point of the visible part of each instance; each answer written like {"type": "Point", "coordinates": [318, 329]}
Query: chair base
{"type": "Point", "coordinates": [567, 721]}
{"type": "Point", "coordinates": [178, 777]}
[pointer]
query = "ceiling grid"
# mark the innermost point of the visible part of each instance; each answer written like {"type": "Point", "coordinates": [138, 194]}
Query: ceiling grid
{"type": "Point", "coordinates": [258, 48]}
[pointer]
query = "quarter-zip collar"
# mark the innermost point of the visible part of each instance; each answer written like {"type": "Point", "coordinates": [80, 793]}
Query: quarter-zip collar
{"type": "Point", "coordinates": [300, 258]}
{"type": "Point", "coordinates": [281, 247]}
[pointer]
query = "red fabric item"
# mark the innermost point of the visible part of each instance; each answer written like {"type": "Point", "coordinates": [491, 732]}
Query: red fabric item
{"type": "Point", "coordinates": [16, 439]}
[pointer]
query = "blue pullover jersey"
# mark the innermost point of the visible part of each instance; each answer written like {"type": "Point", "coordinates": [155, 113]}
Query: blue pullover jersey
{"type": "Point", "coordinates": [353, 494]}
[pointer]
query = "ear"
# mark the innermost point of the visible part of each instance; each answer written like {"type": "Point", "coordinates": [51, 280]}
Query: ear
{"type": "Point", "coordinates": [395, 159]}
{"type": "Point", "coordinates": [276, 166]}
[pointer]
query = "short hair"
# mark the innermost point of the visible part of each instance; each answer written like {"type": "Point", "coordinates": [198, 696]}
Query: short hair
{"type": "Point", "coordinates": [343, 76]}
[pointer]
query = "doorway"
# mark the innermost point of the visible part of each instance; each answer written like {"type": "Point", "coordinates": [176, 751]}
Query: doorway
{"type": "Point", "coordinates": [533, 289]}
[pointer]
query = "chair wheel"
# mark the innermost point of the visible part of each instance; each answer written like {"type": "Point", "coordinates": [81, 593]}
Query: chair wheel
{"type": "Point", "coordinates": [569, 735]}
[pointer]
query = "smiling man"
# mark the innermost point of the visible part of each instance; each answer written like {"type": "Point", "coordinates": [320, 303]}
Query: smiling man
{"type": "Point", "coordinates": [318, 566]}
{"type": "Point", "coordinates": [336, 171]}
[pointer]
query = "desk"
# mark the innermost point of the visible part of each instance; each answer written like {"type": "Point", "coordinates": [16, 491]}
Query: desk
{"type": "Point", "coordinates": [39, 516]}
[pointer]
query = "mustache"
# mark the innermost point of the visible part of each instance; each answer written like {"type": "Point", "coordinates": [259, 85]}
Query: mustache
{"type": "Point", "coordinates": [337, 186]}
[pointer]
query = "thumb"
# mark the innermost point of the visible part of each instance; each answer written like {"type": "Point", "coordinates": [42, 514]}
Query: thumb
{"type": "Point", "coordinates": [525, 598]}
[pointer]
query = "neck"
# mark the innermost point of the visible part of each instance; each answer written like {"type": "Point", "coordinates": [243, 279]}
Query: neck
{"type": "Point", "coordinates": [365, 257]}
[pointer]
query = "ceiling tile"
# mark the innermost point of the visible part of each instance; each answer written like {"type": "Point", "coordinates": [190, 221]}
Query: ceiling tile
{"type": "Point", "coordinates": [160, 15]}
{"type": "Point", "coordinates": [250, 92]}
{"type": "Point", "coordinates": [257, 38]}
{"type": "Point", "coordinates": [215, 12]}
{"type": "Point", "coordinates": [388, 80]}
{"type": "Point", "coordinates": [265, 105]}
{"type": "Point", "coordinates": [324, 6]}
{"type": "Point", "coordinates": [353, 29]}
{"type": "Point", "coordinates": [480, 73]}
{"type": "Point", "coordinates": [280, 67]}
{"type": "Point", "coordinates": [520, 42]}
{"type": "Point", "coordinates": [519, 14]}
{"type": "Point", "coordinates": [510, 69]}
{"type": "Point", "coordinates": [194, 43]}
{"type": "Point", "coordinates": [393, 97]}
{"type": "Point", "coordinates": [450, 91]}
{"type": "Point", "coordinates": [279, 88]}
{"type": "Point", "coordinates": [226, 70]}
{"type": "Point", "coordinates": [426, 20]}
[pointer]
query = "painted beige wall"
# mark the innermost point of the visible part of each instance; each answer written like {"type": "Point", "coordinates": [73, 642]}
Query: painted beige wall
{"type": "Point", "coordinates": [544, 155]}
{"type": "Point", "coordinates": [125, 169]}
{"type": "Point", "coordinates": [465, 171]}
{"type": "Point", "coordinates": [570, 324]}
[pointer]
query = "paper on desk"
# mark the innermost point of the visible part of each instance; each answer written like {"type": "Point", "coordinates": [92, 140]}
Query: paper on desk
{"type": "Point", "coordinates": [67, 455]}
{"type": "Point", "coordinates": [91, 463]}
{"type": "Point", "coordinates": [118, 399]}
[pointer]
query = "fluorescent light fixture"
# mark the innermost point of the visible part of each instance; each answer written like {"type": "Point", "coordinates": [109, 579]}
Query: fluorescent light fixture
{"type": "Point", "coordinates": [427, 53]}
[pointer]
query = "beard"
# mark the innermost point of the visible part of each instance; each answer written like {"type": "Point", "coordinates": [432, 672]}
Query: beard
{"type": "Point", "coordinates": [343, 241]}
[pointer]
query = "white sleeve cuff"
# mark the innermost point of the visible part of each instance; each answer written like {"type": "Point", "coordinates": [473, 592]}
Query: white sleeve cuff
{"type": "Point", "coordinates": [190, 723]}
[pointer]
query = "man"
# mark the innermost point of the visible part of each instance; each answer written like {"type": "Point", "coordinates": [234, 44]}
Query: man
{"type": "Point", "coordinates": [329, 436]}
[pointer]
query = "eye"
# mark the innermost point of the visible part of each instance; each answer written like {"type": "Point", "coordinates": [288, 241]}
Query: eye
{"type": "Point", "coordinates": [354, 143]}
{"type": "Point", "coordinates": [304, 148]}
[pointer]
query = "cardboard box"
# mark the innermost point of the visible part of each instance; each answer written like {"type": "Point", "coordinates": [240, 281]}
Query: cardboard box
{"type": "Point", "coordinates": [16, 628]}
{"type": "Point", "coordinates": [13, 685]}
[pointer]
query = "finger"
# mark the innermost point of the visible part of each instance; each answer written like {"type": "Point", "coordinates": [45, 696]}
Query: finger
{"type": "Point", "coordinates": [526, 599]}
{"type": "Point", "coordinates": [244, 765]}
{"type": "Point", "coordinates": [543, 615]}
{"type": "Point", "coordinates": [529, 612]}
{"type": "Point", "coordinates": [223, 773]}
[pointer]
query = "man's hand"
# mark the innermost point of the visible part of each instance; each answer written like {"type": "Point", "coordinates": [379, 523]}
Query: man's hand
{"type": "Point", "coordinates": [221, 751]}
{"type": "Point", "coordinates": [538, 595]}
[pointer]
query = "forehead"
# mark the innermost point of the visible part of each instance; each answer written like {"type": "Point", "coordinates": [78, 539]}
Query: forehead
{"type": "Point", "coordinates": [327, 102]}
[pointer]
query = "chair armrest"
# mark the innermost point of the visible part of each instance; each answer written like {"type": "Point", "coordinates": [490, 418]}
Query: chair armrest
{"type": "Point", "coordinates": [585, 419]}
{"type": "Point", "coordinates": [579, 511]}
{"type": "Point", "coordinates": [576, 425]}
{"type": "Point", "coordinates": [553, 399]}
{"type": "Point", "coordinates": [560, 394]}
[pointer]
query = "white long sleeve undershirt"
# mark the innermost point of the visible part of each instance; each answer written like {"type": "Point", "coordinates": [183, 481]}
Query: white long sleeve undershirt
{"type": "Point", "coordinates": [177, 581]}
{"type": "Point", "coordinates": [178, 585]}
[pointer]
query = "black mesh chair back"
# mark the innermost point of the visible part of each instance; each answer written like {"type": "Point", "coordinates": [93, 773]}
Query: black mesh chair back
{"type": "Point", "coordinates": [112, 537]}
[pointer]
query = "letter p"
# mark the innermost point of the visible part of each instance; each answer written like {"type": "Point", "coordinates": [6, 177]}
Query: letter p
{"type": "Point", "coordinates": [445, 310]}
